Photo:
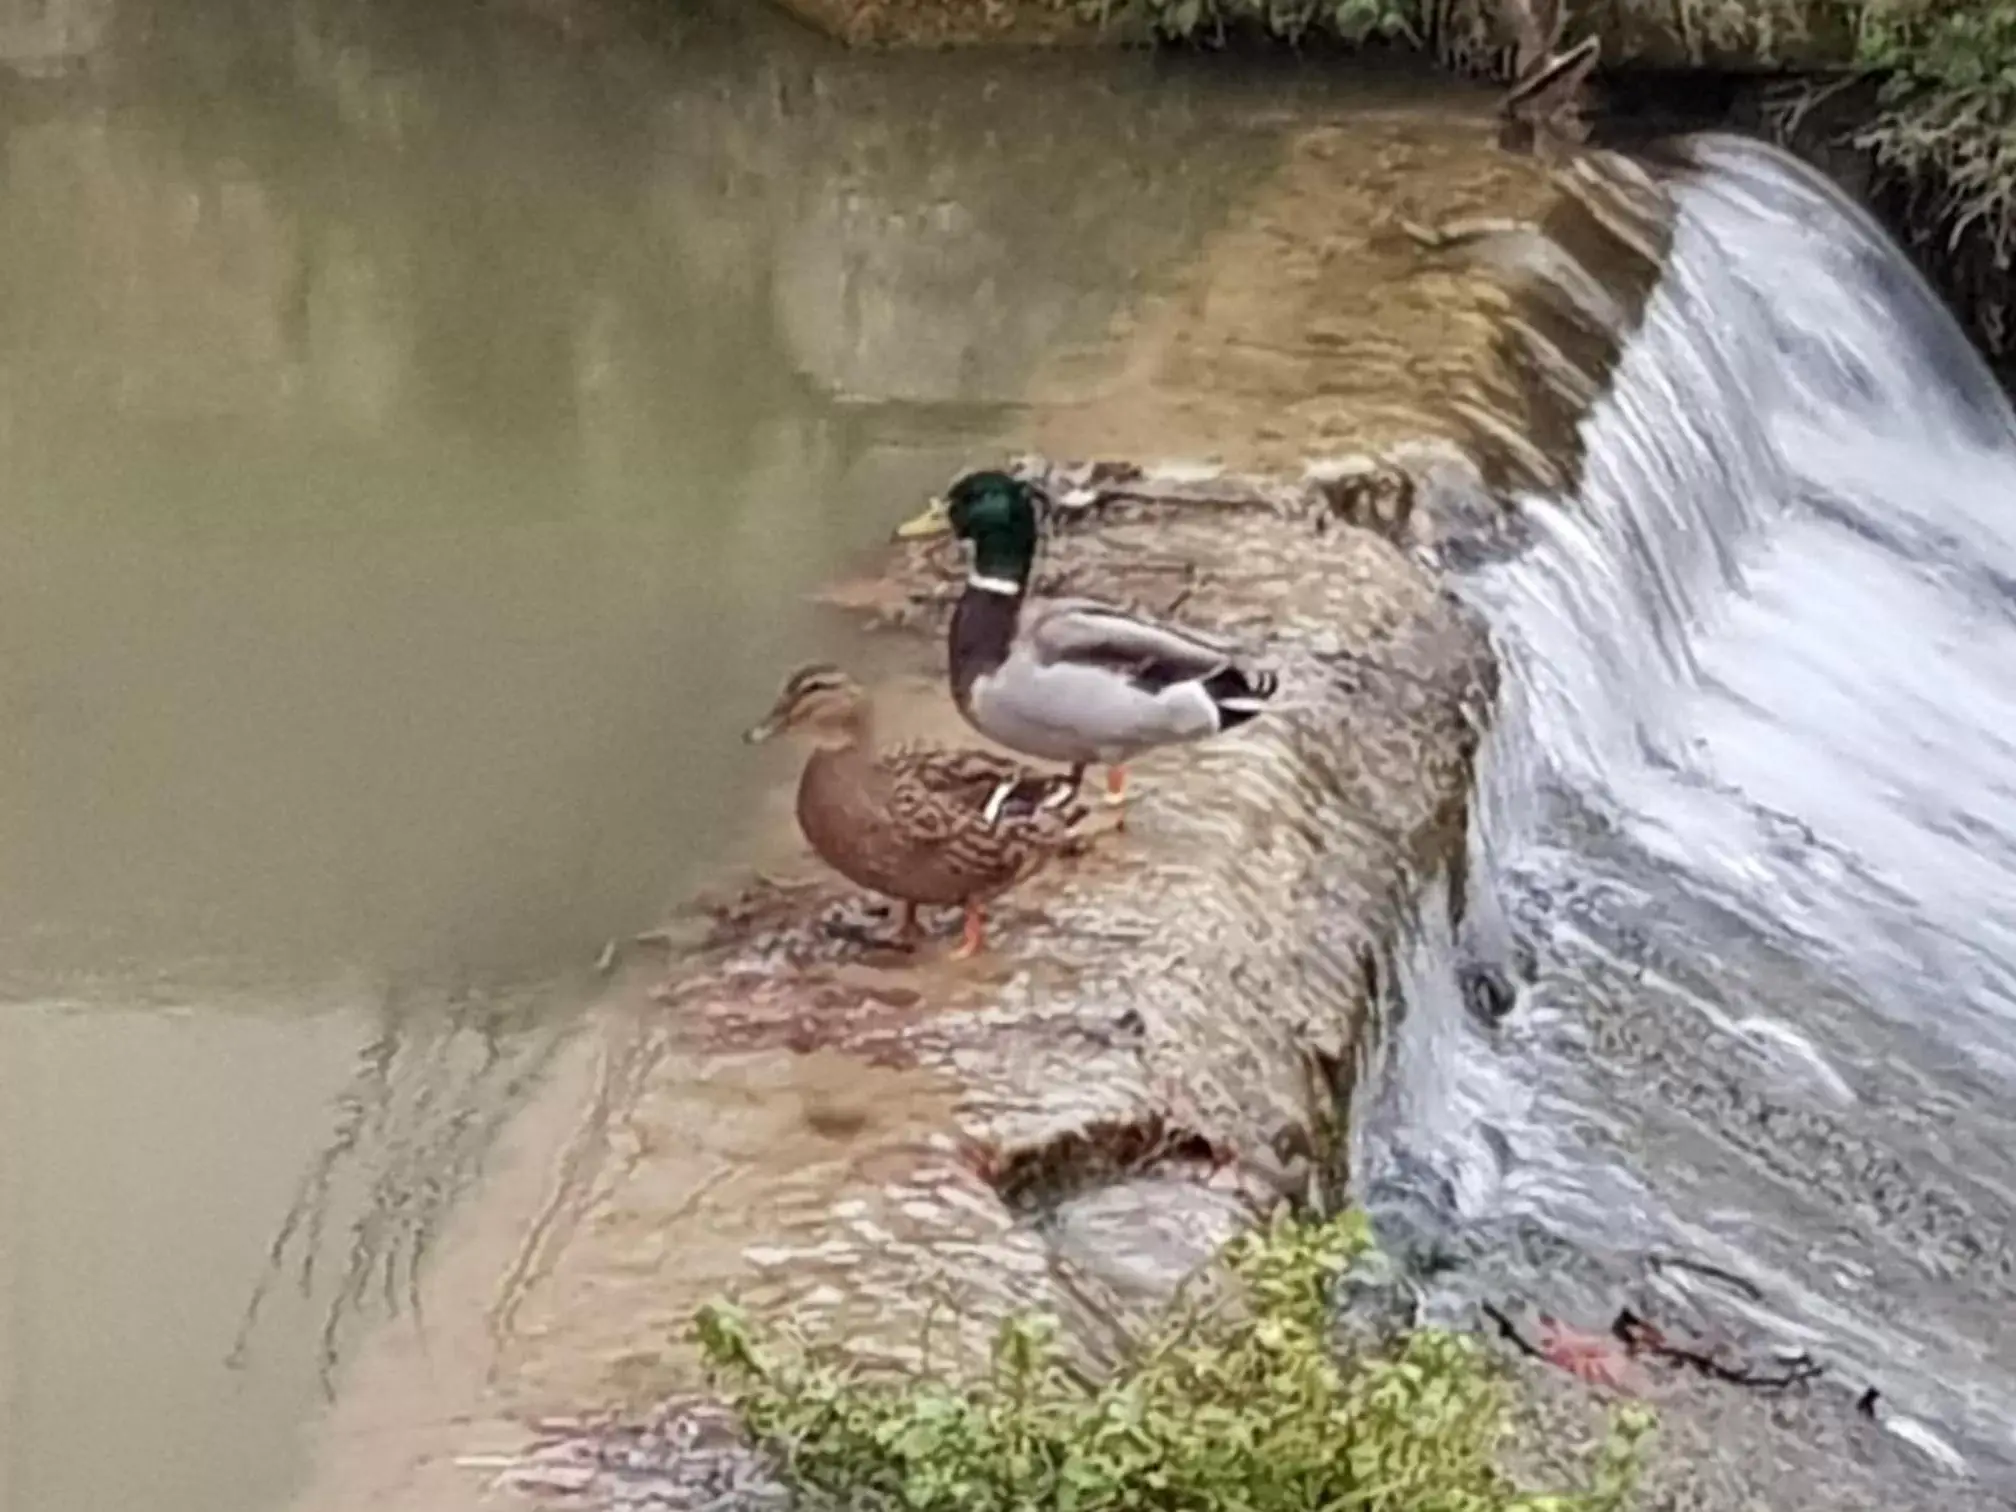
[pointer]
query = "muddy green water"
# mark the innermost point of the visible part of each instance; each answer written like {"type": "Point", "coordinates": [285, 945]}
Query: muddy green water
{"type": "Point", "coordinates": [419, 435]}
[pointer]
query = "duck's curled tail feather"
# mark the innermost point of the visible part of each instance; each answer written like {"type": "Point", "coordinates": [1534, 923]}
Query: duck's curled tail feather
{"type": "Point", "coordinates": [1027, 797]}
{"type": "Point", "coordinates": [1238, 695]}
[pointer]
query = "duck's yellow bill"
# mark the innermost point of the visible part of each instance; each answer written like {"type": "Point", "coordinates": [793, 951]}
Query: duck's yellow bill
{"type": "Point", "coordinates": [936, 520]}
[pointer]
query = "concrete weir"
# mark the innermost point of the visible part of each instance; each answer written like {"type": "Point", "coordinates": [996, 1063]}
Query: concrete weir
{"type": "Point", "coordinates": [1157, 1054]}
{"type": "Point", "coordinates": [896, 1154]}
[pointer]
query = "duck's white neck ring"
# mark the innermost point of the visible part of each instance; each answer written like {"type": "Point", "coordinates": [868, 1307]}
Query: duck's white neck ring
{"type": "Point", "coordinates": [1008, 587]}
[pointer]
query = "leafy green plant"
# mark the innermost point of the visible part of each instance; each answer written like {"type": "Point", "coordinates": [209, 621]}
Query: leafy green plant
{"type": "Point", "coordinates": [1238, 1403]}
{"type": "Point", "coordinates": [1947, 123]}
{"type": "Point", "coordinates": [1962, 44]}
{"type": "Point", "coordinates": [1355, 22]}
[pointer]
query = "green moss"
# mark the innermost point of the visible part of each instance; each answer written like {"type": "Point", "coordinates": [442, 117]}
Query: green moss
{"type": "Point", "coordinates": [1948, 117]}
{"type": "Point", "coordinates": [1956, 44]}
{"type": "Point", "coordinates": [1240, 1402]}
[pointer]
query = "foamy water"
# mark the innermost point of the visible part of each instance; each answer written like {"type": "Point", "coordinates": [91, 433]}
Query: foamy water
{"type": "Point", "coordinates": [1752, 804]}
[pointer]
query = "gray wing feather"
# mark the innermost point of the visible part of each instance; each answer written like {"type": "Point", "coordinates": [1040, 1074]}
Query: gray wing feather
{"type": "Point", "coordinates": [1083, 630]}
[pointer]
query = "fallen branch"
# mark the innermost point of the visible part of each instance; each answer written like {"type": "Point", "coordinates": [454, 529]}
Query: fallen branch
{"type": "Point", "coordinates": [1611, 1360]}
{"type": "Point", "coordinates": [1641, 1337]}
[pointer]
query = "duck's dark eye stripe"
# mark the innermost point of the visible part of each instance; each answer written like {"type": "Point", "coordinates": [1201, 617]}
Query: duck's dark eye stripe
{"type": "Point", "coordinates": [815, 680]}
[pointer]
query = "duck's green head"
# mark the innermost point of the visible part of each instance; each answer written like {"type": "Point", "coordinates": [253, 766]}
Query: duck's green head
{"type": "Point", "coordinates": [999, 514]}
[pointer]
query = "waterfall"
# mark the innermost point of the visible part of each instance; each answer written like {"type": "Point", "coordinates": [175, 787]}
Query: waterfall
{"type": "Point", "coordinates": [1751, 805]}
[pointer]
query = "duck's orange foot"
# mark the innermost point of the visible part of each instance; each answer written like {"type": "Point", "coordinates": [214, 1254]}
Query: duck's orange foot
{"type": "Point", "coordinates": [1116, 794]}
{"type": "Point", "coordinates": [973, 939]}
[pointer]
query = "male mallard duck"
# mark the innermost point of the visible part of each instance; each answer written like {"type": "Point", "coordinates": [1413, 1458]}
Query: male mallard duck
{"type": "Point", "coordinates": [1071, 679]}
{"type": "Point", "coordinates": [917, 823]}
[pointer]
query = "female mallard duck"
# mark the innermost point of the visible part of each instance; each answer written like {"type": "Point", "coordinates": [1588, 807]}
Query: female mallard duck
{"type": "Point", "coordinates": [916, 823]}
{"type": "Point", "coordinates": [1071, 679]}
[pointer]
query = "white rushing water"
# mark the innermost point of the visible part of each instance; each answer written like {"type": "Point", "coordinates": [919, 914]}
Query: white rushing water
{"type": "Point", "coordinates": [1752, 801]}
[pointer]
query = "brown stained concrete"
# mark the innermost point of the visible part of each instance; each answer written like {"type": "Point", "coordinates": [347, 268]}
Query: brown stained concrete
{"type": "Point", "coordinates": [1313, 324]}
{"type": "Point", "coordinates": [894, 1154]}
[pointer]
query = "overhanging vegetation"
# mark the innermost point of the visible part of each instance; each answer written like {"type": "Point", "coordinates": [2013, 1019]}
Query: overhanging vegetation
{"type": "Point", "coordinates": [1945, 128]}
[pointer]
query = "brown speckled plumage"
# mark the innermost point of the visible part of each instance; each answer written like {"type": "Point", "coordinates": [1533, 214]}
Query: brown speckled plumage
{"type": "Point", "coordinates": [924, 824]}
{"type": "Point", "coordinates": [911, 822]}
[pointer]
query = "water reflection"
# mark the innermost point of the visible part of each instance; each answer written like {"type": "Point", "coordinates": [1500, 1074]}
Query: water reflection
{"type": "Point", "coordinates": [420, 435]}
{"type": "Point", "coordinates": [425, 1100]}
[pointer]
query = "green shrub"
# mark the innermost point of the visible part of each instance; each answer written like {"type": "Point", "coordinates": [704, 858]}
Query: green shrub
{"type": "Point", "coordinates": [1949, 109]}
{"type": "Point", "coordinates": [1355, 22]}
{"type": "Point", "coordinates": [1962, 44]}
{"type": "Point", "coordinates": [1239, 1405]}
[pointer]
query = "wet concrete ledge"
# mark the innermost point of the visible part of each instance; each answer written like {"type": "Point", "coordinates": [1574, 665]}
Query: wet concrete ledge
{"type": "Point", "coordinates": [893, 1155]}
{"type": "Point", "coordinates": [1157, 1056]}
